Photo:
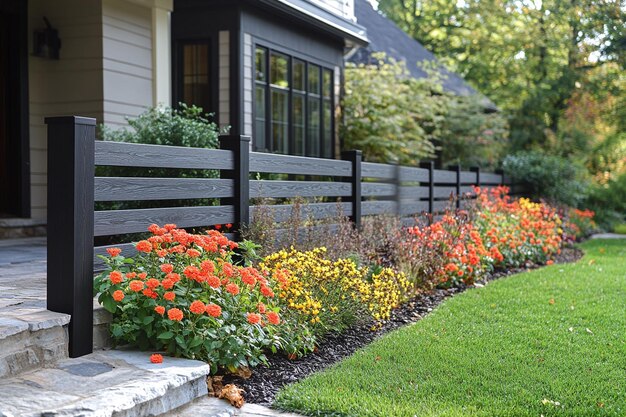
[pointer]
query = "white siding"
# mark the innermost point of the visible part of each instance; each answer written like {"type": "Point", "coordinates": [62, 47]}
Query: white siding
{"type": "Point", "coordinates": [224, 79]}
{"type": "Point", "coordinates": [71, 85]}
{"type": "Point", "coordinates": [127, 60]}
{"type": "Point", "coordinates": [247, 85]}
{"type": "Point", "coordinates": [343, 8]}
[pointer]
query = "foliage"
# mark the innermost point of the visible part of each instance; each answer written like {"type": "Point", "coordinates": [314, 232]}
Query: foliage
{"type": "Point", "coordinates": [580, 223]}
{"type": "Point", "coordinates": [553, 178]}
{"type": "Point", "coordinates": [182, 294]}
{"type": "Point", "coordinates": [608, 202]}
{"type": "Point", "coordinates": [513, 348]}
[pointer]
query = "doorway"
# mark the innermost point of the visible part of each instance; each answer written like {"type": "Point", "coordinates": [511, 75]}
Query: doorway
{"type": "Point", "coordinates": [14, 146]}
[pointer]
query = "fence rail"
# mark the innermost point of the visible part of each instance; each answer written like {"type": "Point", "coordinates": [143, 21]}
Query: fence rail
{"type": "Point", "coordinates": [347, 186]}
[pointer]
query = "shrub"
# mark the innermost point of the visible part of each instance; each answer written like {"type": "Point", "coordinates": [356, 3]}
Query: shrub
{"type": "Point", "coordinates": [182, 294]}
{"type": "Point", "coordinates": [553, 178]}
{"type": "Point", "coordinates": [608, 202]}
{"type": "Point", "coordinates": [580, 223]}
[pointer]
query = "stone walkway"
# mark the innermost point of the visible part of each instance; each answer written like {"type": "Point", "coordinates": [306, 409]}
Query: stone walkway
{"type": "Point", "coordinates": [23, 272]}
{"type": "Point", "coordinates": [608, 236]}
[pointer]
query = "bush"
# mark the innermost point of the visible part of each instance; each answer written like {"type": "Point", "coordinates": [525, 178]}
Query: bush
{"type": "Point", "coordinates": [580, 223]}
{"type": "Point", "coordinates": [182, 294]}
{"type": "Point", "coordinates": [608, 202]}
{"type": "Point", "coordinates": [555, 179]}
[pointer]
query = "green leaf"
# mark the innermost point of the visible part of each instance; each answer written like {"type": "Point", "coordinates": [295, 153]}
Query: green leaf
{"type": "Point", "coordinates": [148, 320]}
{"type": "Point", "coordinates": [165, 335]}
{"type": "Point", "coordinates": [109, 304]}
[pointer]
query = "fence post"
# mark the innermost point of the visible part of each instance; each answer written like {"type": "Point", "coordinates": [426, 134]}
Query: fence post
{"type": "Point", "coordinates": [71, 170]}
{"type": "Point", "coordinates": [240, 146]}
{"type": "Point", "coordinates": [355, 158]}
{"type": "Point", "coordinates": [457, 169]}
{"type": "Point", "coordinates": [430, 166]}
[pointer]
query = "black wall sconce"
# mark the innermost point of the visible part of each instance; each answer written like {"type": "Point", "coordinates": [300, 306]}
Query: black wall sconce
{"type": "Point", "coordinates": [46, 42]}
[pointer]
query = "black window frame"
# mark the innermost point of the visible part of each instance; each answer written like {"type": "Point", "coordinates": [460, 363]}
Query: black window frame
{"type": "Point", "coordinates": [266, 84]}
{"type": "Point", "coordinates": [212, 66]}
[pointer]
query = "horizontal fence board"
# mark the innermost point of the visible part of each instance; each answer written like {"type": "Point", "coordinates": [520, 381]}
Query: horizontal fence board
{"type": "Point", "coordinates": [410, 174]}
{"type": "Point", "coordinates": [133, 188]}
{"type": "Point", "coordinates": [284, 189]}
{"type": "Point", "coordinates": [467, 189]}
{"type": "Point", "coordinates": [408, 221]}
{"type": "Point", "coordinates": [443, 205]}
{"type": "Point", "coordinates": [305, 232]}
{"type": "Point", "coordinates": [283, 212]}
{"type": "Point", "coordinates": [377, 189]}
{"type": "Point", "coordinates": [489, 178]}
{"type": "Point", "coordinates": [378, 207]}
{"type": "Point", "coordinates": [413, 207]}
{"type": "Point", "coordinates": [298, 165]}
{"type": "Point", "coordinates": [114, 222]}
{"type": "Point", "coordinates": [413, 193]}
{"type": "Point", "coordinates": [443, 192]}
{"type": "Point", "coordinates": [161, 156]}
{"type": "Point", "coordinates": [468, 177]}
{"type": "Point", "coordinates": [442, 176]}
{"type": "Point", "coordinates": [375, 170]}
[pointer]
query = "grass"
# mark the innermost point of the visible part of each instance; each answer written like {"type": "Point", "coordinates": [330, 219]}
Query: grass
{"type": "Point", "coordinates": [620, 228]}
{"type": "Point", "coordinates": [548, 342]}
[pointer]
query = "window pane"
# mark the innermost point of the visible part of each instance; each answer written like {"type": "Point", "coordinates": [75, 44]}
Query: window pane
{"type": "Point", "coordinates": [313, 137]}
{"type": "Point", "coordinates": [259, 122]}
{"type": "Point", "coordinates": [327, 138]}
{"type": "Point", "coordinates": [327, 85]}
{"type": "Point", "coordinates": [279, 70]}
{"type": "Point", "coordinates": [260, 64]}
{"type": "Point", "coordinates": [195, 72]}
{"type": "Point", "coordinates": [314, 79]}
{"type": "Point", "coordinates": [298, 75]}
{"type": "Point", "coordinates": [280, 121]}
{"type": "Point", "coordinates": [298, 123]}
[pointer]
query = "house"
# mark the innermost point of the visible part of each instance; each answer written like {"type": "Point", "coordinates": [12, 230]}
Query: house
{"type": "Point", "coordinates": [385, 36]}
{"type": "Point", "coordinates": [270, 69]}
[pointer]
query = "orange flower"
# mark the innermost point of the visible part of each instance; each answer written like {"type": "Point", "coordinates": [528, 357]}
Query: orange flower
{"type": "Point", "coordinates": [273, 317]}
{"type": "Point", "coordinates": [167, 284]}
{"type": "Point", "coordinates": [450, 267]}
{"type": "Point", "coordinates": [549, 262]}
{"type": "Point", "coordinates": [142, 275]}
{"type": "Point", "coordinates": [218, 226]}
{"type": "Point", "coordinates": [118, 295]}
{"type": "Point", "coordinates": [161, 253]}
{"type": "Point", "coordinates": [169, 227]}
{"type": "Point", "coordinates": [213, 310]}
{"type": "Point", "coordinates": [149, 293]}
{"type": "Point", "coordinates": [136, 285]}
{"type": "Point", "coordinates": [153, 228]}
{"type": "Point", "coordinates": [116, 277]}
{"type": "Point", "coordinates": [131, 275]}
{"type": "Point", "coordinates": [152, 283]}
{"type": "Point", "coordinates": [174, 314]}
{"type": "Point", "coordinates": [192, 253]}
{"type": "Point", "coordinates": [229, 226]}
{"type": "Point", "coordinates": [232, 288]}
{"type": "Point", "coordinates": [267, 291]}
{"type": "Point", "coordinates": [173, 276]}
{"type": "Point", "coordinates": [144, 246]}
{"type": "Point", "coordinates": [167, 268]}
{"type": "Point", "coordinates": [197, 307]}
{"type": "Point", "coordinates": [156, 358]}
{"type": "Point", "coordinates": [261, 308]}
{"type": "Point", "coordinates": [208, 266]}
{"type": "Point", "coordinates": [253, 318]}
{"type": "Point", "coordinates": [213, 281]}
{"type": "Point", "coordinates": [114, 252]}
{"type": "Point", "coordinates": [159, 310]}
{"type": "Point", "coordinates": [169, 296]}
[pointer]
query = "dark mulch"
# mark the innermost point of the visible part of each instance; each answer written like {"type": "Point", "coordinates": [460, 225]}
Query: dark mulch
{"type": "Point", "coordinates": [265, 382]}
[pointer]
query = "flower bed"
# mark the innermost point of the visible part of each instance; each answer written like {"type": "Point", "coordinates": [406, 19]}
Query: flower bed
{"type": "Point", "coordinates": [192, 295]}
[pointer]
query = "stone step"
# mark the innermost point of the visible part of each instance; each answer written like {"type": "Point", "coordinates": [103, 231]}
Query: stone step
{"type": "Point", "coordinates": [104, 384]}
{"type": "Point", "coordinates": [212, 407]}
{"type": "Point", "coordinates": [31, 337]}
{"type": "Point", "coordinates": [13, 228]}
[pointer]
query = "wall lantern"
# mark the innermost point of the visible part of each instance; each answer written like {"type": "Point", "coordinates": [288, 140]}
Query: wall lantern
{"type": "Point", "coordinates": [46, 42]}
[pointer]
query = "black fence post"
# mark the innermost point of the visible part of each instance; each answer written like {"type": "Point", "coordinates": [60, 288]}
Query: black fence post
{"type": "Point", "coordinates": [500, 172]}
{"type": "Point", "coordinates": [71, 170]}
{"type": "Point", "coordinates": [240, 146]}
{"type": "Point", "coordinates": [430, 166]}
{"type": "Point", "coordinates": [355, 158]}
{"type": "Point", "coordinates": [477, 171]}
{"type": "Point", "coordinates": [457, 169]}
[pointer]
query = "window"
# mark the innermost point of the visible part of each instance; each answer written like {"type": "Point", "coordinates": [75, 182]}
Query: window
{"type": "Point", "coordinates": [195, 72]}
{"type": "Point", "coordinates": [293, 105]}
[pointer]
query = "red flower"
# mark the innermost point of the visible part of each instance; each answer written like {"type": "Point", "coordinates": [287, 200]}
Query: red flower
{"type": "Point", "coordinates": [169, 296]}
{"type": "Point", "coordinates": [273, 317]}
{"type": "Point", "coordinates": [213, 281]}
{"type": "Point", "coordinates": [174, 314]}
{"type": "Point", "coordinates": [118, 295]}
{"type": "Point", "coordinates": [253, 318]}
{"type": "Point", "coordinates": [114, 252]}
{"type": "Point", "coordinates": [192, 253]}
{"type": "Point", "coordinates": [169, 227]}
{"type": "Point", "coordinates": [213, 310]}
{"type": "Point", "coordinates": [116, 277]}
{"type": "Point", "coordinates": [229, 226]}
{"type": "Point", "coordinates": [159, 310]}
{"type": "Point", "coordinates": [156, 358]}
{"type": "Point", "coordinates": [142, 275]}
{"type": "Point", "coordinates": [173, 276]}
{"type": "Point", "coordinates": [197, 307]}
{"type": "Point", "coordinates": [232, 288]}
{"type": "Point", "coordinates": [549, 262]}
{"type": "Point", "coordinates": [167, 284]}
{"type": "Point", "coordinates": [167, 268]}
{"type": "Point", "coordinates": [144, 246]}
{"type": "Point", "coordinates": [267, 291]}
{"type": "Point", "coordinates": [218, 226]}
{"type": "Point", "coordinates": [152, 283]}
{"type": "Point", "coordinates": [149, 293]}
{"type": "Point", "coordinates": [261, 308]}
{"type": "Point", "coordinates": [136, 285]}
{"type": "Point", "coordinates": [208, 266]}
{"type": "Point", "coordinates": [153, 228]}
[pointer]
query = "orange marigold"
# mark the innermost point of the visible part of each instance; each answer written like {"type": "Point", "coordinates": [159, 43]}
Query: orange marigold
{"type": "Point", "coordinates": [273, 317]}
{"type": "Point", "coordinates": [116, 277]}
{"type": "Point", "coordinates": [118, 295]}
{"type": "Point", "coordinates": [136, 285]}
{"type": "Point", "coordinates": [174, 314]}
{"type": "Point", "coordinates": [144, 246]}
{"type": "Point", "coordinates": [213, 310]}
{"type": "Point", "coordinates": [114, 252]}
{"type": "Point", "coordinates": [156, 358]}
{"type": "Point", "coordinates": [169, 296]}
{"type": "Point", "coordinates": [159, 310]}
{"type": "Point", "coordinates": [197, 307]}
{"type": "Point", "coordinates": [253, 318]}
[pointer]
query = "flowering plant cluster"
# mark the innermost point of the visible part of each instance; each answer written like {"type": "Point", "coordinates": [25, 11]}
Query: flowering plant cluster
{"type": "Point", "coordinates": [182, 294]}
{"type": "Point", "coordinates": [580, 223]}
{"type": "Point", "coordinates": [327, 295]}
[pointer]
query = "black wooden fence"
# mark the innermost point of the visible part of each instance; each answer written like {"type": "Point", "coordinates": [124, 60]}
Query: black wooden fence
{"type": "Point", "coordinates": [359, 189]}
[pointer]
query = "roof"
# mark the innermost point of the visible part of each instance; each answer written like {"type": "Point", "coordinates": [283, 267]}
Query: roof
{"type": "Point", "coordinates": [385, 36]}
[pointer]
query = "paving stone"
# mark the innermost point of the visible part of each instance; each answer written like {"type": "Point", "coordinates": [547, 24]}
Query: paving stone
{"type": "Point", "coordinates": [608, 236]}
{"type": "Point", "coordinates": [212, 407]}
{"type": "Point", "coordinates": [10, 326]}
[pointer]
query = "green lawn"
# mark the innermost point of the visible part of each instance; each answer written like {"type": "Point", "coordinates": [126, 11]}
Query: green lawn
{"type": "Point", "coordinates": [549, 342]}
